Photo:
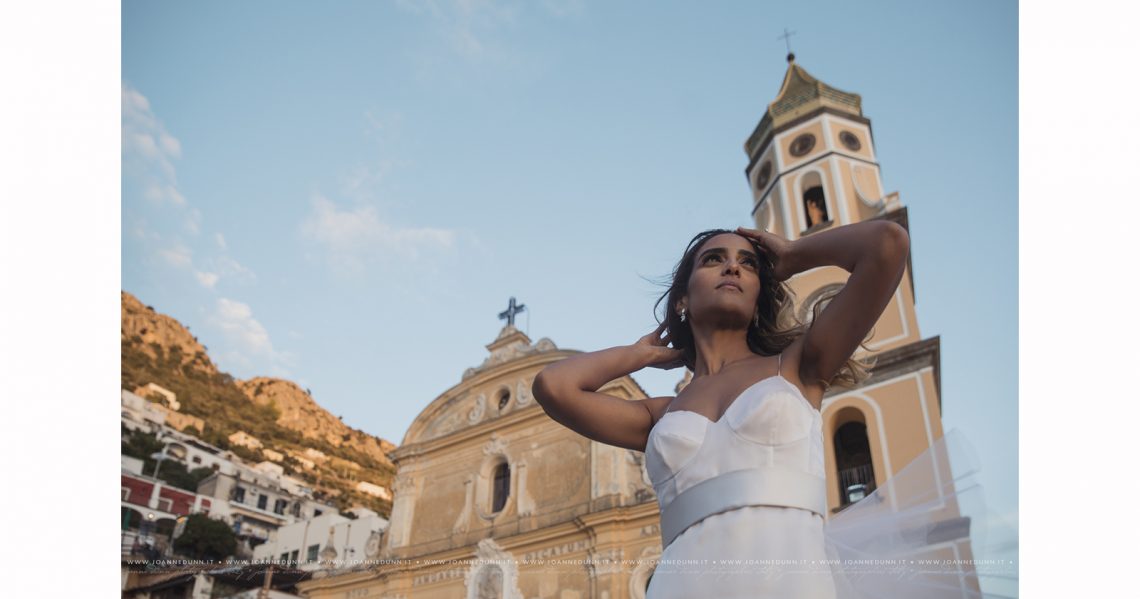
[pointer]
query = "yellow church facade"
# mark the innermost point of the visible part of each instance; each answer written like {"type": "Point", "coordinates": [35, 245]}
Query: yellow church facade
{"type": "Point", "coordinates": [493, 499]}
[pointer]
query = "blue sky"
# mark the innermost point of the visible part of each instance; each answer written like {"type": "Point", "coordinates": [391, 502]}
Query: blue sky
{"type": "Point", "coordinates": [346, 195]}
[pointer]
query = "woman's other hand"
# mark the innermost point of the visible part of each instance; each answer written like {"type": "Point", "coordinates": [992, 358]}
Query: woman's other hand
{"type": "Point", "coordinates": [656, 351]}
{"type": "Point", "coordinates": [776, 248]}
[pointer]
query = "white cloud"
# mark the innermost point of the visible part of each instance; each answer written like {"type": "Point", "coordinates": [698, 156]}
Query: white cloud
{"type": "Point", "coordinates": [248, 341]}
{"type": "Point", "coordinates": [221, 241]}
{"type": "Point", "coordinates": [149, 152]}
{"type": "Point", "coordinates": [564, 8]}
{"type": "Point", "coordinates": [194, 221]}
{"type": "Point", "coordinates": [355, 236]}
{"type": "Point", "coordinates": [228, 267]}
{"type": "Point", "coordinates": [207, 279]}
{"type": "Point", "coordinates": [178, 256]}
{"type": "Point", "coordinates": [236, 321]}
{"type": "Point", "coordinates": [468, 25]}
{"type": "Point", "coordinates": [147, 143]}
{"type": "Point", "coordinates": [157, 192]}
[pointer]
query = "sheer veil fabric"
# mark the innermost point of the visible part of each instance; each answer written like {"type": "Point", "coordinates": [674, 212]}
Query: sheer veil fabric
{"type": "Point", "coordinates": [926, 532]}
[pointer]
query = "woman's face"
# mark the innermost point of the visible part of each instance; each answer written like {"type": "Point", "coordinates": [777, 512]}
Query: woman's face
{"type": "Point", "coordinates": [725, 283]}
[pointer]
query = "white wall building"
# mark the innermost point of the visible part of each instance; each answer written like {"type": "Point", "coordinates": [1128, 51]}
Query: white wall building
{"type": "Point", "coordinates": [132, 465]}
{"type": "Point", "coordinates": [167, 395]}
{"type": "Point", "coordinates": [245, 440]}
{"type": "Point", "coordinates": [140, 414]}
{"type": "Point", "coordinates": [374, 490]}
{"type": "Point", "coordinates": [258, 500]}
{"type": "Point", "coordinates": [308, 542]}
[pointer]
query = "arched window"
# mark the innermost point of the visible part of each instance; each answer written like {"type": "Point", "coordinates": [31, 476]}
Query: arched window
{"type": "Point", "coordinates": [815, 203]}
{"type": "Point", "coordinates": [504, 397]}
{"type": "Point", "coordinates": [853, 462]}
{"type": "Point", "coordinates": [501, 487]}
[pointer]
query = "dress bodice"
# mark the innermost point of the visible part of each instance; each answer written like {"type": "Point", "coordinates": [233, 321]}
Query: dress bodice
{"type": "Point", "coordinates": [770, 423]}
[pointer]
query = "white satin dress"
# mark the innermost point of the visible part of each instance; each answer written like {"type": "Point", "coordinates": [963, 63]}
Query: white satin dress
{"type": "Point", "coordinates": [769, 550]}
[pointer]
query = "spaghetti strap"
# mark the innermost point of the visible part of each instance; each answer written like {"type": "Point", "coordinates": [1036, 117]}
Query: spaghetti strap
{"type": "Point", "coordinates": [779, 363]}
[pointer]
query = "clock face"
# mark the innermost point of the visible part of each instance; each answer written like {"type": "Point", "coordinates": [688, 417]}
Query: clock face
{"type": "Point", "coordinates": [764, 176]}
{"type": "Point", "coordinates": [802, 144]}
{"type": "Point", "coordinates": [850, 141]}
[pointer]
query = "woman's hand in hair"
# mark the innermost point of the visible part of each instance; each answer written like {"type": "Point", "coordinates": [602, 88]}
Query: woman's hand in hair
{"type": "Point", "coordinates": [656, 351]}
{"type": "Point", "coordinates": [776, 248]}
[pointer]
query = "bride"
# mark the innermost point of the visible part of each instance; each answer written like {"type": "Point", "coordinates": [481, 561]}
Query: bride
{"type": "Point", "coordinates": [736, 458]}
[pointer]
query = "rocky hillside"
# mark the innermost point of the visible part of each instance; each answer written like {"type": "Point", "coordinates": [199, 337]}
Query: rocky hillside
{"type": "Point", "coordinates": [152, 333]}
{"type": "Point", "coordinates": [300, 413]}
{"type": "Point", "coordinates": [158, 349]}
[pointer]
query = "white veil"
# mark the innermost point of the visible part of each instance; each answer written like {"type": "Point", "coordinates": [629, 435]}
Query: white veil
{"type": "Point", "coordinates": [925, 533]}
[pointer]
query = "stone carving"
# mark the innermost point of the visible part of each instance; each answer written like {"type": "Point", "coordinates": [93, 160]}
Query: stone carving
{"type": "Point", "coordinates": [605, 562]}
{"type": "Point", "coordinates": [522, 393]}
{"type": "Point", "coordinates": [443, 425]}
{"type": "Point", "coordinates": [545, 345]}
{"type": "Point", "coordinates": [328, 554]}
{"type": "Point", "coordinates": [550, 552]}
{"type": "Point", "coordinates": [494, 573]}
{"type": "Point", "coordinates": [402, 484]}
{"type": "Point", "coordinates": [372, 546]}
{"type": "Point", "coordinates": [511, 344]}
{"type": "Point", "coordinates": [638, 460]}
{"type": "Point", "coordinates": [878, 204]}
{"type": "Point", "coordinates": [639, 578]}
{"type": "Point", "coordinates": [490, 583]}
{"type": "Point", "coordinates": [496, 446]}
{"type": "Point", "coordinates": [476, 413]}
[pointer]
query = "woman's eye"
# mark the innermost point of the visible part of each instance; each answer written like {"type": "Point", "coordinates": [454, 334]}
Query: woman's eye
{"type": "Point", "coordinates": [712, 257]}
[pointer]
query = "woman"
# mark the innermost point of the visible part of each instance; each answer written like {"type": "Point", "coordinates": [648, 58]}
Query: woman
{"type": "Point", "coordinates": [736, 458]}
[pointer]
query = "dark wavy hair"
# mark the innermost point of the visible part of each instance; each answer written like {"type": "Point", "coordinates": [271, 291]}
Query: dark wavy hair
{"type": "Point", "coordinates": [774, 326]}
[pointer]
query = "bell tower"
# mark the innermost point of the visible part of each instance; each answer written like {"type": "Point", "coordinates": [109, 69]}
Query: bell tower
{"type": "Point", "coordinates": [812, 166]}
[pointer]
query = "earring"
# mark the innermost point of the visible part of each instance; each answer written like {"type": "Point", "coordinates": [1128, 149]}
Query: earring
{"type": "Point", "coordinates": [682, 315]}
{"type": "Point", "coordinates": [756, 318]}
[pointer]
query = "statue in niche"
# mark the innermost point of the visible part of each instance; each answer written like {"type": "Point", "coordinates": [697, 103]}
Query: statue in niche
{"type": "Point", "coordinates": [816, 206]}
{"type": "Point", "coordinates": [490, 583]}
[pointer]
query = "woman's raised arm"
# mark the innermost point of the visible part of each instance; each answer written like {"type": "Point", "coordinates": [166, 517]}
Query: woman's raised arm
{"type": "Point", "coordinates": [567, 390]}
{"type": "Point", "coordinates": [874, 252]}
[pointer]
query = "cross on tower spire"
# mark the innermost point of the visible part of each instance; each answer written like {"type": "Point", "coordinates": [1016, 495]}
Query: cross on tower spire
{"type": "Point", "coordinates": [509, 314]}
{"type": "Point", "coordinates": [788, 43]}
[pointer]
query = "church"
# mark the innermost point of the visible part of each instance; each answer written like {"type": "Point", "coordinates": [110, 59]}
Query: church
{"type": "Point", "coordinates": [493, 499]}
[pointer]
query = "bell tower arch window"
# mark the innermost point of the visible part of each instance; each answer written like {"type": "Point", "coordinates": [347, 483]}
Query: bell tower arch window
{"type": "Point", "coordinates": [856, 474]}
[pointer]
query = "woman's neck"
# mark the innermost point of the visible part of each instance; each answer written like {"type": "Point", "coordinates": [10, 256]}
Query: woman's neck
{"type": "Point", "coordinates": [719, 348]}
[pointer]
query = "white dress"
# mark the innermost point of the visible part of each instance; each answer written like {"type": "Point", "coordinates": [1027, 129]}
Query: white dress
{"type": "Point", "coordinates": [774, 551]}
